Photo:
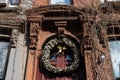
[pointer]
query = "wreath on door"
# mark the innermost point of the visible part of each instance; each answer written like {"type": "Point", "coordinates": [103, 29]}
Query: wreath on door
{"type": "Point", "coordinates": [45, 59]}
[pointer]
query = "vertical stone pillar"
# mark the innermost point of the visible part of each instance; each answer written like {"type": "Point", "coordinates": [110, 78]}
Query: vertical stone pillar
{"type": "Point", "coordinates": [102, 61]}
{"type": "Point", "coordinates": [35, 22]}
{"type": "Point", "coordinates": [17, 60]}
{"type": "Point", "coordinates": [34, 27]}
{"type": "Point", "coordinates": [87, 44]}
{"type": "Point", "coordinates": [97, 57]}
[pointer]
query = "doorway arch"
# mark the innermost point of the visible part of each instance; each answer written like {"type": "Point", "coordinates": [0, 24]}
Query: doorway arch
{"type": "Point", "coordinates": [77, 74]}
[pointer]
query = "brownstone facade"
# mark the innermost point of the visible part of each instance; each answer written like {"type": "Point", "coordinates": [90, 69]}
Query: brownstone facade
{"type": "Point", "coordinates": [87, 26]}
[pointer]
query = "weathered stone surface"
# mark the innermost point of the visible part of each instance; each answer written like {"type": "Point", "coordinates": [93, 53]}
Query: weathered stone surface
{"type": "Point", "coordinates": [39, 21]}
{"type": "Point", "coordinates": [17, 60]}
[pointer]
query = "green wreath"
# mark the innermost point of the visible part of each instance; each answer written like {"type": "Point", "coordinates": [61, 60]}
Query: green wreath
{"type": "Point", "coordinates": [46, 55]}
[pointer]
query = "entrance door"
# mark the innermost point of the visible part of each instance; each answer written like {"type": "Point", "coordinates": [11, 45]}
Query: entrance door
{"type": "Point", "coordinates": [61, 56]}
{"type": "Point", "coordinates": [61, 60]}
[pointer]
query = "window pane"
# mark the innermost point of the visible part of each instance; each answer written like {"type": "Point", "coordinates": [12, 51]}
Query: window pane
{"type": "Point", "coordinates": [14, 2]}
{"type": "Point", "coordinates": [3, 56]}
{"type": "Point", "coordinates": [115, 56]}
{"type": "Point", "coordinates": [52, 56]}
{"type": "Point", "coordinates": [68, 2]}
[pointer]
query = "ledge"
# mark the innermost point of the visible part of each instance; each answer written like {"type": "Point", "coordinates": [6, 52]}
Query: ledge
{"type": "Point", "coordinates": [9, 9]}
{"type": "Point", "coordinates": [2, 35]}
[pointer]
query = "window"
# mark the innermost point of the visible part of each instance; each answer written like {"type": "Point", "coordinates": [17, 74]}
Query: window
{"type": "Point", "coordinates": [3, 58]}
{"type": "Point", "coordinates": [114, 47]}
{"type": "Point", "coordinates": [14, 2]}
{"type": "Point", "coordinates": [64, 2]}
{"type": "Point", "coordinates": [10, 3]}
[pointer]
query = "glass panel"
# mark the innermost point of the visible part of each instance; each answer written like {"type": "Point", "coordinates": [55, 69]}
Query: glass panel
{"type": "Point", "coordinates": [3, 56]}
{"type": "Point", "coordinates": [68, 2]}
{"type": "Point", "coordinates": [14, 2]}
{"type": "Point", "coordinates": [68, 58]}
{"type": "Point", "coordinates": [52, 56]}
{"type": "Point", "coordinates": [114, 47]}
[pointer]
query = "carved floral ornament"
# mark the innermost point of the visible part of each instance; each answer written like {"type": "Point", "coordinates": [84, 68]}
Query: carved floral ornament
{"type": "Point", "coordinates": [47, 48]}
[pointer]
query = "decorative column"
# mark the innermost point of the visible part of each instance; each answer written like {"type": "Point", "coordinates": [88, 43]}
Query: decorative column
{"type": "Point", "coordinates": [32, 63]}
{"type": "Point", "coordinates": [87, 46]}
{"type": "Point", "coordinates": [35, 22]}
{"type": "Point", "coordinates": [34, 27]}
{"type": "Point", "coordinates": [97, 56]}
{"type": "Point", "coordinates": [102, 60]}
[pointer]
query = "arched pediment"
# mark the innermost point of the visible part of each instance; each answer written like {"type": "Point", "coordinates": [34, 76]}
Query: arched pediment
{"type": "Point", "coordinates": [54, 8]}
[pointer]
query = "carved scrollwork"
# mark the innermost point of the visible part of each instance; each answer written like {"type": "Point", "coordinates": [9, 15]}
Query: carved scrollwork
{"type": "Point", "coordinates": [34, 27]}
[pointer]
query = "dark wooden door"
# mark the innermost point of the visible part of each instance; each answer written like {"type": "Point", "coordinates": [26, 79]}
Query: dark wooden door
{"type": "Point", "coordinates": [61, 57]}
{"type": "Point", "coordinates": [58, 61]}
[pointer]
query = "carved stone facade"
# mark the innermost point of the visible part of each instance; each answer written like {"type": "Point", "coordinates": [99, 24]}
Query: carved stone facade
{"type": "Point", "coordinates": [79, 30]}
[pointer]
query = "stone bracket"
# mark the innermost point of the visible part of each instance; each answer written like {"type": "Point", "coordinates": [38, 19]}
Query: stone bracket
{"type": "Point", "coordinates": [14, 37]}
{"type": "Point", "coordinates": [34, 28]}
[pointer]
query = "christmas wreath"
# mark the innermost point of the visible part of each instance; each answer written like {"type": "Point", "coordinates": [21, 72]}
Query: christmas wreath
{"type": "Point", "coordinates": [45, 59]}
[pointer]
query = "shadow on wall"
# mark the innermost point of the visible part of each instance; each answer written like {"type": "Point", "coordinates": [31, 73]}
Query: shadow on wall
{"type": "Point", "coordinates": [118, 78]}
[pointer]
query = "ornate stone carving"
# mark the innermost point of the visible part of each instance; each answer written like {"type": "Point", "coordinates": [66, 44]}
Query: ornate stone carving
{"type": "Point", "coordinates": [33, 41]}
{"type": "Point", "coordinates": [88, 42]}
{"type": "Point", "coordinates": [14, 37]}
{"type": "Point", "coordinates": [87, 36]}
{"type": "Point", "coordinates": [100, 34]}
{"type": "Point", "coordinates": [34, 27]}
